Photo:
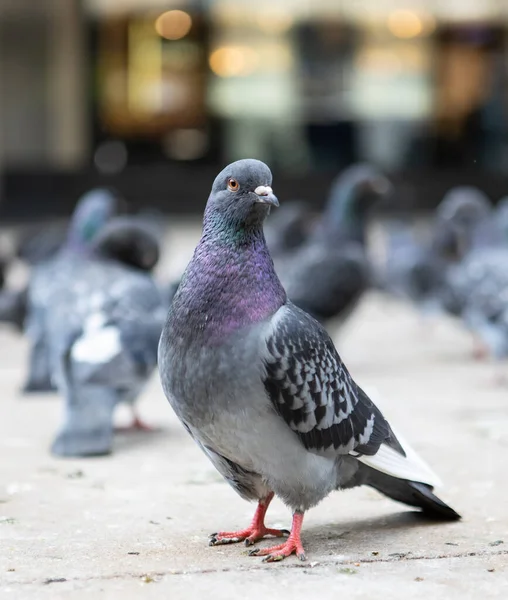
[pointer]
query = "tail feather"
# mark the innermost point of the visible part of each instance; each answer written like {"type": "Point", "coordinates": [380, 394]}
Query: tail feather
{"type": "Point", "coordinates": [411, 493]}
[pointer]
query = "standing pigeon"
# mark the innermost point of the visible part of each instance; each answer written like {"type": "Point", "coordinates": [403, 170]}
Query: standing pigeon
{"type": "Point", "coordinates": [259, 385]}
{"type": "Point", "coordinates": [102, 332]}
{"type": "Point", "coordinates": [288, 228]}
{"type": "Point", "coordinates": [49, 278]}
{"type": "Point", "coordinates": [476, 289]}
{"type": "Point", "coordinates": [328, 274]}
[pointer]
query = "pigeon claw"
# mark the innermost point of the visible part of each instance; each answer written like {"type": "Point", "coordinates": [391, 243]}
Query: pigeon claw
{"type": "Point", "coordinates": [250, 536]}
{"type": "Point", "coordinates": [278, 553]}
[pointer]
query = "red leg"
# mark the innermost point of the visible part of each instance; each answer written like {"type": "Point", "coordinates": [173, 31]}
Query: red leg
{"type": "Point", "coordinates": [293, 545]}
{"type": "Point", "coordinates": [480, 350]}
{"type": "Point", "coordinates": [137, 425]}
{"type": "Point", "coordinates": [256, 530]}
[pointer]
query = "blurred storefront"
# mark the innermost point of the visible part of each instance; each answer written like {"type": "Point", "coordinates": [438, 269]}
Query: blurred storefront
{"type": "Point", "coordinates": [154, 96]}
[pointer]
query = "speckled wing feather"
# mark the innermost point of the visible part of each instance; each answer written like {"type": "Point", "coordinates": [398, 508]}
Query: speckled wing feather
{"type": "Point", "coordinates": [314, 393]}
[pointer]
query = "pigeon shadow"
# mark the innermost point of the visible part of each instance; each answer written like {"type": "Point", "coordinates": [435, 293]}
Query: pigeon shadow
{"type": "Point", "coordinates": [373, 530]}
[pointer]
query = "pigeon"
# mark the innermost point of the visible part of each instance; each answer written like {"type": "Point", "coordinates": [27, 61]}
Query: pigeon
{"type": "Point", "coordinates": [475, 287]}
{"type": "Point", "coordinates": [288, 228]}
{"type": "Point", "coordinates": [418, 269]}
{"type": "Point", "coordinates": [415, 269]}
{"type": "Point", "coordinates": [476, 290]}
{"type": "Point", "coordinates": [462, 207]}
{"type": "Point", "coordinates": [328, 274]}
{"type": "Point", "coordinates": [49, 278]}
{"type": "Point", "coordinates": [102, 331]}
{"type": "Point", "coordinates": [259, 385]}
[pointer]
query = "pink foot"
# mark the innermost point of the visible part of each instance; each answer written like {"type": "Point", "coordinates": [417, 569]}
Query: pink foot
{"type": "Point", "coordinates": [251, 535]}
{"type": "Point", "coordinates": [136, 425]}
{"type": "Point", "coordinates": [255, 532]}
{"type": "Point", "coordinates": [480, 350]}
{"type": "Point", "coordinates": [293, 545]}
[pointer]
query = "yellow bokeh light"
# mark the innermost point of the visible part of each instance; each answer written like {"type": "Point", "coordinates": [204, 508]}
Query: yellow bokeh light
{"type": "Point", "coordinates": [405, 24]}
{"type": "Point", "coordinates": [173, 24]}
{"type": "Point", "coordinates": [233, 61]}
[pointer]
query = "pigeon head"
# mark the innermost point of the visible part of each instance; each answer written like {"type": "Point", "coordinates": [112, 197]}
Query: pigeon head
{"type": "Point", "coordinates": [352, 195]}
{"type": "Point", "coordinates": [464, 206]}
{"type": "Point", "coordinates": [241, 198]}
{"type": "Point", "coordinates": [130, 241]}
{"type": "Point", "coordinates": [92, 212]}
{"type": "Point", "coordinates": [464, 218]}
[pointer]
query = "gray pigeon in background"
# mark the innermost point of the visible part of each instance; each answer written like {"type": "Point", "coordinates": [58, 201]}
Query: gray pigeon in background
{"type": "Point", "coordinates": [475, 288]}
{"type": "Point", "coordinates": [415, 269]}
{"type": "Point", "coordinates": [327, 275]}
{"type": "Point", "coordinates": [51, 277]}
{"type": "Point", "coordinates": [288, 228]}
{"type": "Point", "coordinates": [418, 269]}
{"type": "Point", "coordinates": [259, 385]}
{"type": "Point", "coordinates": [102, 330]}
{"type": "Point", "coordinates": [462, 207]}
{"type": "Point", "coordinates": [405, 254]}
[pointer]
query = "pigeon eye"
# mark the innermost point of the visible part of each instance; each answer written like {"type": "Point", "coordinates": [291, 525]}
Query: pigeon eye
{"type": "Point", "coordinates": [233, 185]}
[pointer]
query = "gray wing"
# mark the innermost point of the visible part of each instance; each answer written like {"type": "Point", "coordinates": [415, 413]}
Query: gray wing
{"type": "Point", "coordinates": [314, 393]}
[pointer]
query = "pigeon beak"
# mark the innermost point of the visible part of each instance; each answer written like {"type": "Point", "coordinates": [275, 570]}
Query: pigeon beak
{"type": "Point", "coordinates": [265, 195]}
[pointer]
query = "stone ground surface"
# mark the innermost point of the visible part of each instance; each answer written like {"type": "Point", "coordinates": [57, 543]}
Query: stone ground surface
{"type": "Point", "coordinates": [135, 524]}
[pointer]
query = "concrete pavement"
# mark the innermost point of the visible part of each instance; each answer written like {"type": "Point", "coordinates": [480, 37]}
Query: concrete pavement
{"type": "Point", "coordinates": [135, 524]}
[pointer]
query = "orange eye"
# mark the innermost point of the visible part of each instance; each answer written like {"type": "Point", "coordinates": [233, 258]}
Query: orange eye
{"type": "Point", "coordinates": [233, 185]}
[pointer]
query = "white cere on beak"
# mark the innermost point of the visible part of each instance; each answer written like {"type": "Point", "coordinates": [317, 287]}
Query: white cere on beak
{"type": "Point", "coordinates": [263, 190]}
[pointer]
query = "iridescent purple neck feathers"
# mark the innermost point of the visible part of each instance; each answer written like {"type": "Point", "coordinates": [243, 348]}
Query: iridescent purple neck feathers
{"type": "Point", "coordinates": [229, 284]}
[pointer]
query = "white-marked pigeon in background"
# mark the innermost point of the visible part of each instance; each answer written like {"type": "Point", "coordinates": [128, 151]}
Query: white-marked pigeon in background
{"type": "Point", "coordinates": [328, 274]}
{"type": "Point", "coordinates": [259, 385]}
{"type": "Point", "coordinates": [92, 212]}
{"type": "Point", "coordinates": [102, 331]}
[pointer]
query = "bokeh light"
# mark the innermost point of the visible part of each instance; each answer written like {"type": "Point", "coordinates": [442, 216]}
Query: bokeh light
{"type": "Point", "coordinates": [405, 24]}
{"type": "Point", "coordinates": [233, 61]}
{"type": "Point", "coordinates": [173, 24]}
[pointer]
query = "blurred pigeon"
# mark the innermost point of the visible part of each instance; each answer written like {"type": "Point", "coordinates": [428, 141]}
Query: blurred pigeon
{"type": "Point", "coordinates": [259, 385]}
{"type": "Point", "coordinates": [462, 207]}
{"type": "Point", "coordinates": [51, 277]}
{"type": "Point", "coordinates": [476, 286]}
{"type": "Point", "coordinates": [102, 330]}
{"type": "Point", "coordinates": [288, 228]}
{"type": "Point", "coordinates": [415, 269]}
{"type": "Point", "coordinates": [328, 274]}
{"type": "Point", "coordinates": [418, 269]}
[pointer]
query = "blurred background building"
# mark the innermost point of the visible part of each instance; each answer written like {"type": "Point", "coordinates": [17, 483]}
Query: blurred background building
{"type": "Point", "coordinates": [154, 96]}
